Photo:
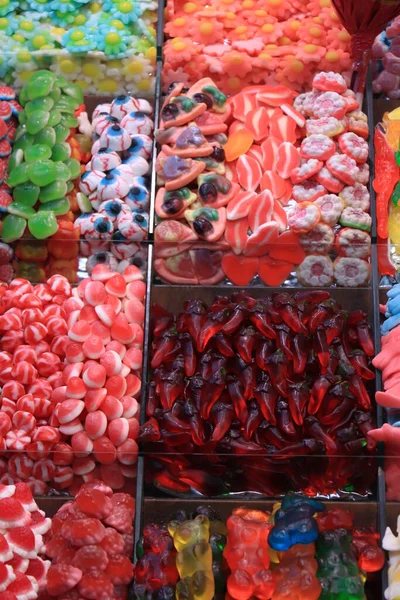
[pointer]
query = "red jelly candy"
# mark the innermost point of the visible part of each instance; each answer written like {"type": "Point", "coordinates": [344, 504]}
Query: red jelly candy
{"type": "Point", "coordinates": [62, 578]}
{"type": "Point", "coordinates": [96, 586]}
{"type": "Point", "coordinates": [90, 558]}
{"type": "Point", "coordinates": [120, 570]}
{"type": "Point", "coordinates": [83, 532]}
{"type": "Point", "coordinates": [94, 503]}
{"type": "Point", "coordinates": [113, 542]}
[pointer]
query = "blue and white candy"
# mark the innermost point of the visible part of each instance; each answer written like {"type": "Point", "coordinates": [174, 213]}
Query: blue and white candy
{"type": "Point", "coordinates": [115, 138]}
{"type": "Point", "coordinates": [138, 197]}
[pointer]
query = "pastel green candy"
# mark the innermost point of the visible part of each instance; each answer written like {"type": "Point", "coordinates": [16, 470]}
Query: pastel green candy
{"type": "Point", "coordinates": [59, 207]}
{"type": "Point", "coordinates": [54, 117]}
{"type": "Point", "coordinates": [40, 86]}
{"type": "Point", "coordinates": [65, 105]}
{"type": "Point", "coordinates": [55, 94]}
{"type": "Point", "coordinates": [46, 136]}
{"type": "Point", "coordinates": [37, 121]}
{"type": "Point", "coordinates": [42, 172]}
{"type": "Point", "coordinates": [43, 224]}
{"type": "Point", "coordinates": [23, 141]}
{"type": "Point", "coordinates": [13, 228]}
{"type": "Point", "coordinates": [63, 172]}
{"type": "Point", "coordinates": [53, 191]}
{"type": "Point", "coordinates": [70, 186]}
{"type": "Point", "coordinates": [74, 166]}
{"type": "Point", "coordinates": [27, 193]}
{"type": "Point", "coordinates": [37, 152]}
{"type": "Point", "coordinates": [70, 120]}
{"type": "Point", "coordinates": [16, 158]}
{"type": "Point", "coordinates": [21, 210]}
{"type": "Point", "coordinates": [39, 104]}
{"type": "Point", "coordinates": [61, 151]}
{"type": "Point", "coordinates": [18, 175]}
{"type": "Point", "coordinates": [62, 133]}
{"type": "Point", "coordinates": [75, 92]}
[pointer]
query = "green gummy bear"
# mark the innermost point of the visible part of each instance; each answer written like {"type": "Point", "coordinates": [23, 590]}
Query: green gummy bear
{"type": "Point", "coordinates": [13, 228]}
{"type": "Point", "coordinates": [54, 117]}
{"type": "Point", "coordinates": [43, 224]}
{"type": "Point", "coordinates": [40, 86]}
{"type": "Point", "coordinates": [18, 175]}
{"type": "Point", "coordinates": [21, 210]}
{"type": "Point", "coordinates": [74, 166]}
{"type": "Point", "coordinates": [61, 151]}
{"type": "Point", "coordinates": [395, 198]}
{"type": "Point", "coordinates": [26, 193]}
{"type": "Point", "coordinates": [46, 136]}
{"type": "Point", "coordinates": [37, 152]}
{"type": "Point", "coordinates": [61, 132]}
{"type": "Point", "coordinates": [63, 172]}
{"type": "Point", "coordinates": [39, 104]}
{"type": "Point", "coordinates": [53, 191]}
{"type": "Point", "coordinates": [42, 172]}
{"type": "Point", "coordinates": [58, 207]}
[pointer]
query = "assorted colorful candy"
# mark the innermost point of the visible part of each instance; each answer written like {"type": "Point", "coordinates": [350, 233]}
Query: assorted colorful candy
{"type": "Point", "coordinates": [70, 371]}
{"type": "Point", "coordinates": [114, 188]}
{"type": "Point", "coordinates": [301, 550]}
{"type": "Point", "coordinates": [104, 46]}
{"type": "Point", "coordinates": [265, 184]}
{"type": "Point", "coordinates": [245, 43]}
{"type": "Point", "coordinates": [90, 545]}
{"type": "Point", "coordinates": [256, 382]}
{"type": "Point", "coordinates": [24, 528]}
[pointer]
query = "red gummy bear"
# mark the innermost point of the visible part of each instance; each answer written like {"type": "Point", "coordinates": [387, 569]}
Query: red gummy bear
{"type": "Point", "coordinates": [296, 574]}
{"type": "Point", "coordinates": [369, 555]}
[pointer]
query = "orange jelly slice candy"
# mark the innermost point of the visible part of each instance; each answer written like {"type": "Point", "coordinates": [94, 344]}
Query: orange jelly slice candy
{"type": "Point", "coordinates": [238, 143]}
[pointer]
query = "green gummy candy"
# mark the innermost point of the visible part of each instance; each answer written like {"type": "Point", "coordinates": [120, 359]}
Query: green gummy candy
{"type": "Point", "coordinates": [23, 141]}
{"type": "Point", "coordinates": [83, 203]}
{"type": "Point", "coordinates": [61, 151]}
{"type": "Point", "coordinates": [16, 158]}
{"type": "Point", "coordinates": [70, 186]}
{"type": "Point", "coordinates": [13, 228]}
{"type": "Point", "coordinates": [26, 193]}
{"type": "Point", "coordinates": [58, 207]}
{"type": "Point", "coordinates": [21, 210]}
{"type": "Point", "coordinates": [39, 104]}
{"type": "Point", "coordinates": [37, 121]}
{"type": "Point", "coordinates": [61, 82]}
{"type": "Point", "coordinates": [18, 175]}
{"type": "Point", "coordinates": [22, 117]}
{"type": "Point", "coordinates": [53, 191]}
{"type": "Point", "coordinates": [42, 73]}
{"type": "Point", "coordinates": [42, 172]}
{"type": "Point", "coordinates": [65, 105]}
{"type": "Point", "coordinates": [43, 224]}
{"type": "Point", "coordinates": [23, 96]}
{"type": "Point", "coordinates": [40, 86]}
{"type": "Point", "coordinates": [37, 152]}
{"type": "Point", "coordinates": [396, 195]}
{"type": "Point", "coordinates": [63, 172]}
{"type": "Point", "coordinates": [46, 136]}
{"type": "Point", "coordinates": [61, 132]}
{"type": "Point", "coordinates": [70, 120]}
{"type": "Point", "coordinates": [55, 94]}
{"type": "Point", "coordinates": [75, 92]}
{"type": "Point", "coordinates": [74, 166]}
{"type": "Point", "coordinates": [54, 117]}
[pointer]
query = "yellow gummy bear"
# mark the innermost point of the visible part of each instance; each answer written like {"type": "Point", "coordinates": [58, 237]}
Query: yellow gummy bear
{"type": "Point", "coordinates": [394, 227]}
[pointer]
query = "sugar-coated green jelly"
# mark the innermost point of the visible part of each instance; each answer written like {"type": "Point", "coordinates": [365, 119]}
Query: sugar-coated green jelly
{"type": "Point", "coordinates": [74, 166]}
{"type": "Point", "coordinates": [53, 191]}
{"type": "Point", "coordinates": [46, 136]}
{"type": "Point", "coordinates": [61, 132]}
{"type": "Point", "coordinates": [21, 210]}
{"type": "Point", "coordinates": [58, 207]}
{"type": "Point", "coordinates": [42, 172]}
{"type": "Point", "coordinates": [54, 117]}
{"type": "Point", "coordinates": [18, 175]}
{"type": "Point", "coordinates": [16, 159]}
{"type": "Point", "coordinates": [13, 228]}
{"type": "Point", "coordinates": [26, 193]}
{"type": "Point", "coordinates": [43, 224]}
{"type": "Point", "coordinates": [63, 172]}
{"type": "Point", "coordinates": [39, 103]}
{"type": "Point", "coordinates": [37, 152]}
{"type": "Point", "coordinates": [61, 151]}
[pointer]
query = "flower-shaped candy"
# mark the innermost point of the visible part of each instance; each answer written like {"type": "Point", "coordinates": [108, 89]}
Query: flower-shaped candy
{"type": "Point", "coordinates": [79, 39]}
{"type": "Point", "coordinates": [126, 11]}
{"type": "Point", "coordinates": [112, 41]}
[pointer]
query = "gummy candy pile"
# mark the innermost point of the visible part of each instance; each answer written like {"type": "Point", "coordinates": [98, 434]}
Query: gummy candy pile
{"type": "Point", "coordinates": [253, 42]}
{"type": "Point", "coordinates": [301, 550]}
{"type": "Point", "coordinates": [255, 381]}
{"type": "Point", "coordinates": [267, 183]}
{"type": "Point", "coordinates": [90, 544]}
{"type": "Point", "coordinates": [104, 46]}
{"type": "Point", "coordinates": [23, 566]}
{"type": "Point", "coordinates": [115, 186]}
{"type": "Point", "coordinates": [70, 373]}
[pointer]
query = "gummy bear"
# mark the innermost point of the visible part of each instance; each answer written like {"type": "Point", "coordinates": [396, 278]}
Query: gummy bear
{"type": "Point", "coordinates": [295, 523]}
